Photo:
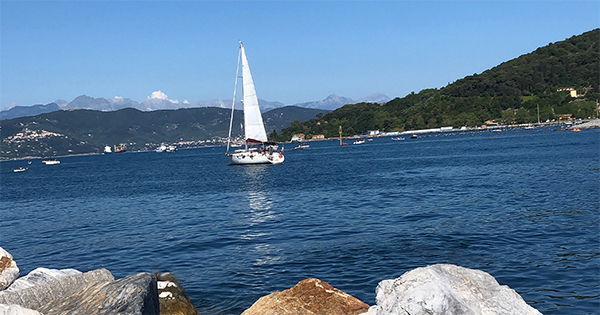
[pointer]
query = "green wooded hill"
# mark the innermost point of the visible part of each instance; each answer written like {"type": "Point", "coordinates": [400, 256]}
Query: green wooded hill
{"type": "Point", "coordinates": [508, 93]}
{"type": "Point", "coordinates": [88, 131]}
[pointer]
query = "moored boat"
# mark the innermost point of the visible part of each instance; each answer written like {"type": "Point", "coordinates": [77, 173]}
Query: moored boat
{"type": "Point", "coordinates": [120, 148]}
{"type": "Point", "coordinates": [20, 169]}
{"type": "Point", "coordinates": [51, 161]}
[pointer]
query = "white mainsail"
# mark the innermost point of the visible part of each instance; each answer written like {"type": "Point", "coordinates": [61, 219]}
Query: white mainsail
{"type": "Point", "coordinates": [253, 122]}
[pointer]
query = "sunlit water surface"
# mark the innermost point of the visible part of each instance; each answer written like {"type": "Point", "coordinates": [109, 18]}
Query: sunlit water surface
{"type": "Point", "coordinates": [522, 205]}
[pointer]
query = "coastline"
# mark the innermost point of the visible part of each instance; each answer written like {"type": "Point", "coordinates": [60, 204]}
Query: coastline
{"type": "Point", "coordinates": [583, 124]}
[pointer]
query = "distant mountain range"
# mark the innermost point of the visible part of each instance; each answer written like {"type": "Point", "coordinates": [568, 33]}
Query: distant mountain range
{"type": "Point", "coordinates": [159, 101]}
{"type": "Point", "coordinates": [78, 131]}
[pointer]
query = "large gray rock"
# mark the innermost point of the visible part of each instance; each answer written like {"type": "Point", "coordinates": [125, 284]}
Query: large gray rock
{"type": "Point", "coordinates": [40, 295]}
{"type": "Point", "coordinates": [135, 294]}
{"type": "Point", "coordinates": [39, 276]}
{"type": "Point", "coordinates": [16, 310]}
{"type": "Point", "coordinates": [93, 292]}
{"type": "Point", "coordinates": [9, 271]}
{"type": "Point", "coordinates": [447, 289]}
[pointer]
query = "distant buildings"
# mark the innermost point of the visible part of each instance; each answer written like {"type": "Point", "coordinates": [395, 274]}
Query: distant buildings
{"type": "Point", "coordinates": [318, 137]}
{"type": "Point", "coordinates": [299, 137]}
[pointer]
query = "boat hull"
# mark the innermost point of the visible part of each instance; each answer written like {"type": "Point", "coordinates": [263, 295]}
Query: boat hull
{"type": "Point", "coordinates": [244, 158]}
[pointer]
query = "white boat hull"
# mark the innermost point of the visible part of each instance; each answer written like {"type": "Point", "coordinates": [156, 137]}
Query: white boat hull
{"type": "Point", "coordinates": [246, 157]}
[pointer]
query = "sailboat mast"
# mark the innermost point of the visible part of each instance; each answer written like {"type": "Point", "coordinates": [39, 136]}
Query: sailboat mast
{"type": "Point", "coordinates": [237, 73]}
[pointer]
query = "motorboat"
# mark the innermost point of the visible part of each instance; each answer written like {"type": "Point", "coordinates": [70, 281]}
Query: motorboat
{"type": "Point", "coordinates": [301, 147]}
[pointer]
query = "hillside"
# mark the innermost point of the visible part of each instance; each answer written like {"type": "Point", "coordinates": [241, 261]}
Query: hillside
{"type": "Point", "coordinates": [507, 93]}
{"type": "Point", "coordinates": [88, 131]}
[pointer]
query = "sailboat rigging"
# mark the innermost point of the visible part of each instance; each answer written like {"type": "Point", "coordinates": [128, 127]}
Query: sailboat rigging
{"type": "Point", "coordinates": [257, 150]}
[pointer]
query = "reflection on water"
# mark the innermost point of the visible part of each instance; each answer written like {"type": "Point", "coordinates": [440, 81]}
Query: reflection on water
{"type": "Point", "coordinates": [255, 188]}
{"type": "Point", "coordinates": [268, 254]}
{"type": "Point", "coordinates": [258, 201]}
{"type": "Point", "coordinates": [260, 211]}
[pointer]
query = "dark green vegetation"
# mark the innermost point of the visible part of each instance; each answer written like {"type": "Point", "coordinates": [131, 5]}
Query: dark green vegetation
{"type": "Point", "coordinates": [509, 93]}
{"type": "Point", "coordinates": [88, 131]}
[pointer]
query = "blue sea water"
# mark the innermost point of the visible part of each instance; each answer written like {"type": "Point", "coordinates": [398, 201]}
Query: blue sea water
{"type": "Point", "coordinates": [522, 205]}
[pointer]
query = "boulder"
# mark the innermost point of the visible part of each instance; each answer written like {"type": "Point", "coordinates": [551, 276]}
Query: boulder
{"type": "Point", "coordinates": [447, 289]}
{"type": "Point", "coordinates": [93, 292]}
{"type": "Point", "coordinates": [58, 289]}
{"type": "Point", "coordinates": [310, 296]}
{"type": "Point", "coordinates": [38, 276]}
{"type": "Point", "coordinates": [132, 295]}
{"type": "Point", "coordinates": [16, 310]}
{"type": "Point", "coordinates": [172, 297]}
{"type": "Point", "coordinates": [9, 271]}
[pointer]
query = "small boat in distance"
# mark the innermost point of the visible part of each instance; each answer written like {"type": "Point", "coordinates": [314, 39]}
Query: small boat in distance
{"type": "Point", "coordinates": [358, 142]}
{"type": "Point", "coordinates": [301, 146]}
{"type": "Point", "coordinates": [397, 139]}
{"type": "Point", "coordinates": [121, 148]}
{"type": "Point", "coordinates": [258, 150]}
{"type": "Point", "coordinates": [51, 161]}
{"type": "Point", "coordinates": [414, 137]}
{"type": "Point", "coordinates": [164, 148]}
{"type": "Point", "coordinates": [20, 169]}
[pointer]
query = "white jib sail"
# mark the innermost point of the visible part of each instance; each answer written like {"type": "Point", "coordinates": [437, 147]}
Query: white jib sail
{"type": "Point", "coordinates": [253, 123]}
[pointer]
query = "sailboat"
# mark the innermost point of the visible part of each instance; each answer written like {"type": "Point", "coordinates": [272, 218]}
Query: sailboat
{"type": "Point", "coordinates": [257, 149]}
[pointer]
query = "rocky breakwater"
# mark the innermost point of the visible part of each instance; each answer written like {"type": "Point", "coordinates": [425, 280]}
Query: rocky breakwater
{"type": "Point", "coordinates": [68, 291]}
{"type": "Point", "coordinates": [432, 290]}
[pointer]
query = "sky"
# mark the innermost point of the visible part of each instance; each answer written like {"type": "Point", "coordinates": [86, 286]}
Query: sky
{"type": "Point", "coordinates": [298, 51]}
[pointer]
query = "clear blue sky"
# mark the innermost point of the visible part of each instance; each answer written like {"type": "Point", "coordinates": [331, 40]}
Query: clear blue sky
{"type": "Point", "coordinates": [298, 50]}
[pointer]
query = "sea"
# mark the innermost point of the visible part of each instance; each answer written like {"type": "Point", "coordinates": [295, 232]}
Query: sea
{"type": "Point", "coordinates": [521, 205]}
